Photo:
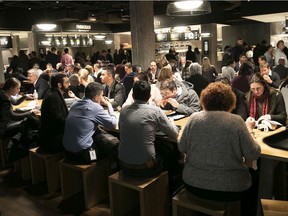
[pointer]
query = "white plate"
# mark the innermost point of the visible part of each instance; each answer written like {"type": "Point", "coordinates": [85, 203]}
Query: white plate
{"type": "Point", "coordinates": [24, 109]}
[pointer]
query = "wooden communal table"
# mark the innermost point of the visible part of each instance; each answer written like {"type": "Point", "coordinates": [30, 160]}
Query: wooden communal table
{"type": "Point", "coordinates": [25, 103]}
{"type": "Point", "coordinates": [268, 151]}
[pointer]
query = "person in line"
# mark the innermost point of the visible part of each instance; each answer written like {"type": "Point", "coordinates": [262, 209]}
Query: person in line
{"type": "Point", "coordinates": [229, 69]}
{"type": "Point", "coordinates": [178, 98]}
{"type": "Point", "coordinates": [82, 135]}
{"type": "Point", "coordinates": [114, 90]}
{"type": "Point", "coordinates": [54, 112]}
{"type": "Point", "coordinates": [66, 58]}
{"type": "Point", "coordinates": [155, 94]}
{"type": "Point", "coordinates": [208, 70]}
{"type": "Point", "coordinates": [214, 167]}
{"type": "Point", "coordinates": [138, 124]}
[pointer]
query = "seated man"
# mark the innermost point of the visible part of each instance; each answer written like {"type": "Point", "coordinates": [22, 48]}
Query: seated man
{"type": "Point", "coordinates": [114, 90]}
{"type": "Point", "coordinates": [53, 115]}
{"type": "Point", "coordinates": [39, 84]}
{"type": "Point", "coordinates": [138, 124]}
{"type": "Point", "coordinates": [82, 135]}
{"type": "Point", "coordinates": [272, 78]}
{"type": "Point", "coordinates": [178, 98]}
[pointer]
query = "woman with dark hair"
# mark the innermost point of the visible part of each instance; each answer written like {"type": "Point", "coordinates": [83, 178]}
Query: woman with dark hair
{"type": "Point", "coordinates": [214, 167]}
{"type": "Point", "coordinates": [241, 82]}
{"type": "Point", "coordinates": [265, 102]}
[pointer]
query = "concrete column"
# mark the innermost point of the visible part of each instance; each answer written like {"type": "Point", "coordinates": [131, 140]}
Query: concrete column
{"type": "Point", "coordinates": [142, 32]}
{"type": "Point", "coordinates": [32, 42]}
{"type": "Point", "coordinates": [15, 45]}
{"type": "Point", "coordinates": [2, 79]}
{"type": "Point", "coordinates": [212, 42]}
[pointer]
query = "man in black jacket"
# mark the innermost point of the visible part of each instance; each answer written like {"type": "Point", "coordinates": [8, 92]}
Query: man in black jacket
{"type": "Point", "coordinates": [114, 90]}
{"type": "Point", "coordinates": [53, 115]}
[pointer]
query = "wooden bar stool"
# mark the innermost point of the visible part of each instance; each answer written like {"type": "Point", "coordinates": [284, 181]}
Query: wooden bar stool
{"type": "Point", "coordinates": [45, 167]}
{"type": "Point", "coordinates": [92, 179]}
{"type": "Point", "coordinates": [151, 194]}
{"type": "Point", "coordinates": [184, 204]}
{"type": "Point", "coordinates": [274, 207]}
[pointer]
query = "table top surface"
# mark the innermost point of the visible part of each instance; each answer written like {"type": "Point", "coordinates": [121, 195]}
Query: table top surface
{"type": "Point", "coordinates": [266, 150]}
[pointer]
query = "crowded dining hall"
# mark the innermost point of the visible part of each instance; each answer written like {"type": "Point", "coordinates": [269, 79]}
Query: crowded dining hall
{"type": "Point", "coordinates": [143, 108]}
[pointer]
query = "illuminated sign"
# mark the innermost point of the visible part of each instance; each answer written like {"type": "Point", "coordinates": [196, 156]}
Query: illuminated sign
{"type": "Point", "coordinates": [83, 27]}
{"type": "Point", "coordinates": [5, 42]}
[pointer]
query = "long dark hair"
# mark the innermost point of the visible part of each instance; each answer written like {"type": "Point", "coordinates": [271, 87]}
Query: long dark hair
{"type": "Point", "coordinates": [257, 78]}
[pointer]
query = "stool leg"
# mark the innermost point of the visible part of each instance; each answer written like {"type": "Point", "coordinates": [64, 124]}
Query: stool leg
{"type": "Point", "coordinates": [150, 203]}
{"type": "Point", "coordinates": [52, 174]}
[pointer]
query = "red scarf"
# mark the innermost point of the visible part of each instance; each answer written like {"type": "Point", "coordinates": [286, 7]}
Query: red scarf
{"type": "Point", "coordinates": [253, 107]}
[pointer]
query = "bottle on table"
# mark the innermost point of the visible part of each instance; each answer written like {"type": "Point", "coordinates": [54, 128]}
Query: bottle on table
{"type": "Point", "coordinates": [35, 97]}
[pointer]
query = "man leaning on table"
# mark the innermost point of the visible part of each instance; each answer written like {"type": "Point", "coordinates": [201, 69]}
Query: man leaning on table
{"type": "Point", "coordinates": [179, 98]}
{"type": "Point", "coordinates": [83, 140]}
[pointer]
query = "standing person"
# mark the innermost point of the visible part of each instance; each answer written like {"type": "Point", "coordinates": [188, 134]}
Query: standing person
{"type": "Point", "coordinates": [208, 70]}
{"type": "Point", "coordinates": [242, 60]}
{"type": "Point", "coordinates": [66, 58]}
{"type": "Point", "coordinates": [190, 55]}
{"type": "Point", "coordinates": [82, 134]}
{"type": "Point", "coordinates": [237, 49]}
{"type": "Point", "coordinates": [54, 112]}
{"type": "Point", "coordinates": [270, 56]}
{"type": "Point", "coordinates": [280, 53]}
{"type": "Point", "coordinates": [227, 55]}
{"type": "Point", "coordinates": [114, 90]}
{"type": "Point", "coordinates": [137, 153]}
{"type": "Point", "coordinates": [128, 79]}
{"type": "Point", "coordinates": [218, 177]}
{"type": "Point", "coordinates": [109, 56]}
{"type": "Point", "coordinates": [241, 82]}
{"type": "Point", "coordinates": [229, 69]}
{"type": "Point", "coordinates": [198, 56]}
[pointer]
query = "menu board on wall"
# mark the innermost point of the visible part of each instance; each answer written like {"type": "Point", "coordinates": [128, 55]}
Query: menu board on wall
{"type": "Point", "coordinates": [193, 35]}
{"type": "Point", "coordinates": [175, 36]}
{"type": "Point", "coordinates": [5, 42]}
{"type": "Point", "coordinates": [161, 37]}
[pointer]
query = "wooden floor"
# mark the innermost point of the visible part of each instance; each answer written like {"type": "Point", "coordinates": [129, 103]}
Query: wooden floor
{"type": "Point", "coordinates": [21, 198]}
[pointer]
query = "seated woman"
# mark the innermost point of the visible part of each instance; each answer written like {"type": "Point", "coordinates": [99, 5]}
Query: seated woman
{"type": "Point", "coordinates": [215, 143]}
{"type": "Point", "coordinates": [265, 102]}
{"type": "Point", "coordinates": [11, 122]}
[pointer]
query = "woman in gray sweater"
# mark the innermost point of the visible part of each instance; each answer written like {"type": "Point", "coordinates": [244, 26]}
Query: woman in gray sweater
{"type": "Point", "coordinates": [216, 143]}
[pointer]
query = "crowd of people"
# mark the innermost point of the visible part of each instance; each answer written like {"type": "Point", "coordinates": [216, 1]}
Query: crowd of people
{"type": "Point", "coordinates": [223, 107]}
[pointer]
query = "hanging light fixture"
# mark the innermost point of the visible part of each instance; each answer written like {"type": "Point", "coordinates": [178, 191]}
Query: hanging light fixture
{"type": "Point", "coordinates": [99, 36]}
{"type": "Point", "coordinates": [46, 27]}
{"type": "Point", "coordinates": [188, 8]}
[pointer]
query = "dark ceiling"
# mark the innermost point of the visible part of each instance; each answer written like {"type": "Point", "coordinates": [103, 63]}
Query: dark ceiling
{"type": "Point", "coordinates": [21, 15]}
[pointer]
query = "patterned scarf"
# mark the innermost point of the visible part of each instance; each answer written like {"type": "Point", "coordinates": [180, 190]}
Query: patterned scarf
{"type": "Point", "coordinates": [253, 107]}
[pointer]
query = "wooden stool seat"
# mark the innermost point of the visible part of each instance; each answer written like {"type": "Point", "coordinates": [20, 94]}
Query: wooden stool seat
{"type": "Point", "coordinates": [274, 207]}
{"type": "Point", "coordinates": [185, 203]}
{"type": "Point", "coordinates": [92, 179]}
{"type": "Point", "coordinates": [45, 167]}
{"type": "Point", "coordinates": [151, 194]}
